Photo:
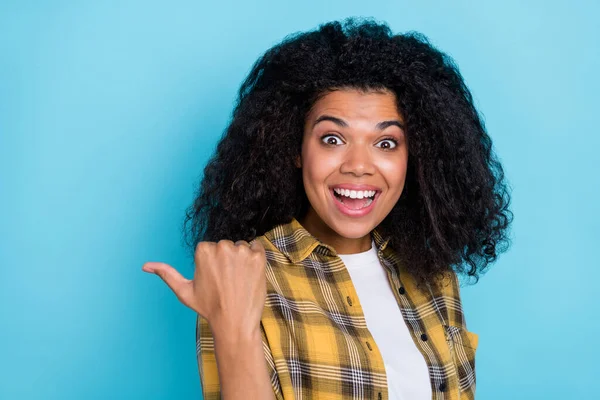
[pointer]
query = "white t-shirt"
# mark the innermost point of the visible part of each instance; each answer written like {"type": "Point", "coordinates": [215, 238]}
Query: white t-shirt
{"type": "Point", "coordinates": [405, 367]}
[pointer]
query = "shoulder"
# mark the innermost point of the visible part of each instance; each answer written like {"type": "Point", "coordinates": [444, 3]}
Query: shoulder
{"type": "Point", "coordinates": [273, 254]}
{"type": "Point", "coordinates": [266, 243]}
{"type": "Point", "coordinates": [447, 289]}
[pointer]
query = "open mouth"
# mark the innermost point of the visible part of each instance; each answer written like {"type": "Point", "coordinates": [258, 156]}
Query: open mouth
{"type": "Point", "coordinates": [355, 199]}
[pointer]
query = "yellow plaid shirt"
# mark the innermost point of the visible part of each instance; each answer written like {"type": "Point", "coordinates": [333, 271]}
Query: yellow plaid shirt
{"type": "Point", "coordinates": [316, 342]}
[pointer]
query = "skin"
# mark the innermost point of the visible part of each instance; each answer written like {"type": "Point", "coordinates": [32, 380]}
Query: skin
{"type": "Point", "coordinates": [229, 284]}
{"type": "Point", "coordinates": [356, 151]}
{"type": "Point", "coordinates": [229, 291]}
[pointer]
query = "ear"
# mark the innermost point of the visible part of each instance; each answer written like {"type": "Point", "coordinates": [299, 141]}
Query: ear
{"type": "Point", "coordinates": [298, 162]}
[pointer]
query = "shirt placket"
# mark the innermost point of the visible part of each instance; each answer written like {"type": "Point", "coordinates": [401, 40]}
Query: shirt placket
{"type": "Point", "coordinates": [370, 350]}
{"type": "Point", "coordinates": [439, 381]}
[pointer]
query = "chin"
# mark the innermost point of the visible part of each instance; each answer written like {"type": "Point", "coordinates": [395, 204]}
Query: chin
{"type": "Point", "coordinates": [352, 230]}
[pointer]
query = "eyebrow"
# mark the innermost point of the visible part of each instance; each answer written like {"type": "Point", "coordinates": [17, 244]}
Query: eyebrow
{"type": "Point", "coordinates": [385, 124]}
{"type": "Point", "coordinates": [343, 124]}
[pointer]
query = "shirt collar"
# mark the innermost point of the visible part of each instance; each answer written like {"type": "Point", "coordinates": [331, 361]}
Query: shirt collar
{"type": "Point", "coordinates": [296, 243]}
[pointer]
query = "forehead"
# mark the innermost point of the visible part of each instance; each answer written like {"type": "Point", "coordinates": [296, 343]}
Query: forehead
{"type": "Point", "coordinates": [356, 104]}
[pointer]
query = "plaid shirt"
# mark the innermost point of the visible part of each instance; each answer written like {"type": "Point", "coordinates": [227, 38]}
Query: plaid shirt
{"type": "Point", "coordinates": [315, 338]}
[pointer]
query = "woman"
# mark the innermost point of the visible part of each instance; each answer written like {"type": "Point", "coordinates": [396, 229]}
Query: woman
{"type": "Point", "coordinates": [357, 180]}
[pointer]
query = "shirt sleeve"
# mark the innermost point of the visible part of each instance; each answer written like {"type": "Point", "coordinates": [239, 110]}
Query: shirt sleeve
{"type": "Point", "coordinates": [207, 362]}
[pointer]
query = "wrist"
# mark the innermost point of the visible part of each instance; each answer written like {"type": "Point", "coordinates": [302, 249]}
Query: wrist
{"type": "Point", "coordinates": [231, 332]}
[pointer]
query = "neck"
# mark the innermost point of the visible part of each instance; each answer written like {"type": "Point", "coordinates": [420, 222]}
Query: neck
{"type": "Point", "coordinates": [342, 245]}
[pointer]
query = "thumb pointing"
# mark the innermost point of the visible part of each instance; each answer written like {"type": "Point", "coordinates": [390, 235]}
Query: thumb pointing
{"type": "Point", "coordinates": [182, 287]}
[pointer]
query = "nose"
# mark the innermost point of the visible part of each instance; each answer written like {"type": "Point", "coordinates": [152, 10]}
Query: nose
{"type": "Point", "coordinates": [357, 161]}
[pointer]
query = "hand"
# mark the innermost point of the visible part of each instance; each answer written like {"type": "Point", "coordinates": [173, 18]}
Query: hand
{"type": "Point", "coordinates": [229, 286]}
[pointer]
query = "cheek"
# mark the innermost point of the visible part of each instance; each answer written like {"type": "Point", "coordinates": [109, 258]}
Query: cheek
{"type": "Point", "coordinates": [394, 172]}
{"type": "Point", "coordinates": [317, 165]}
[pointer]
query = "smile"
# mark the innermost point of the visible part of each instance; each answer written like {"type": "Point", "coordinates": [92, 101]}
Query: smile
{"type": "Point", "coordinates": [355, 202]}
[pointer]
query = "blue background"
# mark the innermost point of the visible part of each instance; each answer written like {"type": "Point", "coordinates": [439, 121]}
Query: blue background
{"type": "Point", "coordinates": [109, 111]}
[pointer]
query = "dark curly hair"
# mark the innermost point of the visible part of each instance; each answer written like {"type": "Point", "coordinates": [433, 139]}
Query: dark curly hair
{"type": "Point", "coordinates": [453, 212]}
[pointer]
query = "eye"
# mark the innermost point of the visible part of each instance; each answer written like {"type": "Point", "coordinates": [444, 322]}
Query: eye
{"type": "Point", "coordinates": [331, 140]}
{"type": "Point", "coordinates": [387, 144]}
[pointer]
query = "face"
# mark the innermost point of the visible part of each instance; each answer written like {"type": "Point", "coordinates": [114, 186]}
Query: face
{"type": "Point", "coordinates": [354, 159]}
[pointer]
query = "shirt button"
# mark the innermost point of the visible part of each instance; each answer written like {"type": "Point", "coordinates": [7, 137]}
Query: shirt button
{"type": "Point", "coordinates": [401, 290]}
{"type": "Point", "coordinates": [349, 300]}
{"type": "Point", "coordinates": [369, 346]}
{"type": "Point", "coordinates": [424, 337]}
{"type": "Point", "coordinates": [442, 387]}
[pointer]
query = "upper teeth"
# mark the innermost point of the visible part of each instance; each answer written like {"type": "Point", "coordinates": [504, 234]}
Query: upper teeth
{"type": "Point", "coordinates": [355, 194]}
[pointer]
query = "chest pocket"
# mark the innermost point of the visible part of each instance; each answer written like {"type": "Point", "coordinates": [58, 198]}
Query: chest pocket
{"type": "Point", "coordinates": [463, 345]}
